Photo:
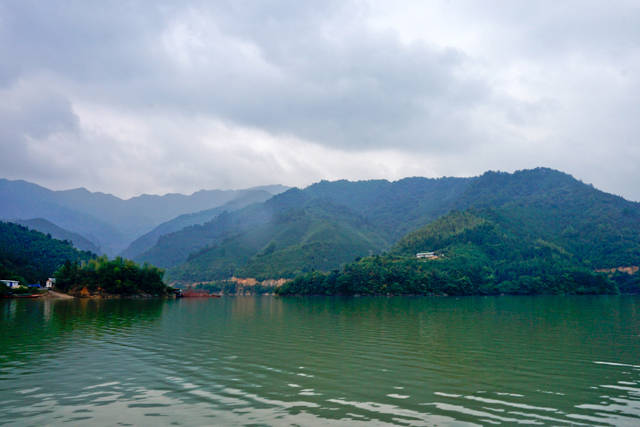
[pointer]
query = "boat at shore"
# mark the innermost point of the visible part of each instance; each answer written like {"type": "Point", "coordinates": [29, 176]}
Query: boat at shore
{"type": "Point", "coordinates": [22, 296]}
{"type": "Point", "coordinates": [191, 293]}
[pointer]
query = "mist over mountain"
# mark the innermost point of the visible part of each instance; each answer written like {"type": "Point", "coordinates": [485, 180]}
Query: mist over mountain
{"type": "Point", "coordinates": [378, 210]}
{"type": "Point", "coordinates": [107, 221]}
{"type": "Point", "coordinates": [304, 230]}
{"type": "Point", "coordinates": [47, 227]}
{"type": "Point", "coordinates": [148, 240]}
{"type": "Point", "coordinates": [254, 233]}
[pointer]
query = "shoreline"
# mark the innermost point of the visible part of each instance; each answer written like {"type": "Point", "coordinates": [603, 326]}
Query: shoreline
{"type": "Point", "coordinates": [57, 295]}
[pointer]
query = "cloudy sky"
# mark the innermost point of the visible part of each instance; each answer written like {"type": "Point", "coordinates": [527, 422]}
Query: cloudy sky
{"type": "Point", "coordinates": [128, 97]}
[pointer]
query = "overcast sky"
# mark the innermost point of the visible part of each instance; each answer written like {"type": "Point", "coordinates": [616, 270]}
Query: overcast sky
{"type": "Point", "coordinates": [129, 97]}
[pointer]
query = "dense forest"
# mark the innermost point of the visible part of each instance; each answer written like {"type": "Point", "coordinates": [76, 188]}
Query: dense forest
{"type": "Point", "coordinates": [477, 253]}
{"type": "Point", "coordinates": [110, 277]}
{"type": "Point", "coordinates": [530, 231]}
{"type": "Point", "coordinates": [229, 287]}
{"type": "Point", "coordinates": [30, 256]}
{"type": "Point", "coordinates": [317, 235]}
{"type": "Point", "coordinates": [329, 224]}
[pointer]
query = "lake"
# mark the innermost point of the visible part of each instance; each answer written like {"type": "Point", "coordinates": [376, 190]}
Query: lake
{"type": "Point", "coordinates": [321, 361]}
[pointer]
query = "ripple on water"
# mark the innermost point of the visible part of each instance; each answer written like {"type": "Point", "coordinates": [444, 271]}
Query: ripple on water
{"type": "Point", "coordinates": [408, 361]}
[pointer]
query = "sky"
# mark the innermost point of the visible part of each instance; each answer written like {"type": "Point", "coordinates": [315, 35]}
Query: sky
{"type": "Point", "coordinates": [132, 97]}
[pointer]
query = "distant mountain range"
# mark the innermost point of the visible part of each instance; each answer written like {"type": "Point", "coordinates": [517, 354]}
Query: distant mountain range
{"type": "Point", "coordinates": [110, 223]}
{"type": "Point", "coordinates": [331, 223]}
{"type": "Point", "coordinates": [148, 240]}
{"type": "Point", "coordinates": [269, 233]}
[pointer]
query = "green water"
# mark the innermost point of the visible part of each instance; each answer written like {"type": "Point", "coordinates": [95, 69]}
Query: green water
{"type": "Point", "coordinates": [318, 361]}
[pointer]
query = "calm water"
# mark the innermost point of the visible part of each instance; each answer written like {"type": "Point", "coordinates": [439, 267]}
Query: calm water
{"type": "Point", "coordinates": [312, 361]}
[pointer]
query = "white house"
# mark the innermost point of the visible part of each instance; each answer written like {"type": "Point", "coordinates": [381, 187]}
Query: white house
{"type": "Point", "coordinates": [11, 283]}
{"type": "Point", "coordinates": [51, 282]}
{"type": "Point", "coordinates": [426, 255]}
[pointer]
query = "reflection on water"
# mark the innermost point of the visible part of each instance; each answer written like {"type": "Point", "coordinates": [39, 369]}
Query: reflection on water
{"type": "Point", "coordinates": [265, 360]}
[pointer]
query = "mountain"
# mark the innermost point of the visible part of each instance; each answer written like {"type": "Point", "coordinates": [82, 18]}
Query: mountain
{"type": "Point", "coordinates": [264, 240]}
{"type": "Point", "coordinates": [47, 227]}
{"type": "Point", "coordinates": [476, 252]}
{"type": "Point", "coordinates": [107, 221]}
{"type": "Point", "coordinates": [376, 211]}
{"type": "Point", "coordinates": [31, 255]}
{"type": "Point", "coordinates": [21, 200]}
{"type": "Point", "coordinates": [317, 235]}
{"type": "Point", "coordinates": [536, 231]}
{"type": "Point", "coordinates": [148, 240]}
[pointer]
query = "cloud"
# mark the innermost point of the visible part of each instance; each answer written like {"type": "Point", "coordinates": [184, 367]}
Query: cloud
{"type": "Point", "coordinates": [130, 97]}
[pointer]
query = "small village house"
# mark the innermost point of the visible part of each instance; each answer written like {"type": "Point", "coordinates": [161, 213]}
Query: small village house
{"type": "Point", "coordinates": [426, 255]}
{"type": "Point", "coordinates": [51, 282]}
{"type": "Point", "coordinates": [11, 283]}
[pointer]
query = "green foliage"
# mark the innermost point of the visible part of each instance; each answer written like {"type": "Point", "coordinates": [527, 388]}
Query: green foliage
{"type": "Point", "coordinates": [30, 256]}
{"type": "Point", "coordinates": [228, 287]}
{"type": "Point", "coordinates": [118, 276]}
{"type": "Point", "coordinates": [354, 219]}
{"type": "Point", "coordinates": [478, 254]}
{"type": "Point", "coordinates": [627, 283]}
{"type": "Point", "coordinates": [317, 236]}
{"type": "Point", "coordinates": [329, 224]}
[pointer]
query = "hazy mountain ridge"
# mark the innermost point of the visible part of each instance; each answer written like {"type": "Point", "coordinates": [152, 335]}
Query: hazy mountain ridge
{"type": "Point", "coordinates": [47, 227]}
{"type": "Point", "coordinates": [317, 235]}
{"type": "Point", "coordinates": [148, 240]}
{"type": "Point", "coordinates": [367, 200]}
{"type": "Point", "coordinates": [328, 224]}
{"type": "Point", "coordinates": [544, 203]}
{"type": "Point", "coordinates": [108, 221]}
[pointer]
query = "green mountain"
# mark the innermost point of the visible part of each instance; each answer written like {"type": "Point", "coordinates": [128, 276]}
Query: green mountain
{"type": "Point", "coordinates": [318, 235]}
{"type": "Point", "coordinates": [372, 213]}
{"type": "Point", "coordinates": [47, 227]}
{"type": "Point", "coordinates": [33, 256]}
{"type": "Point", "coordinates": [477, 252]}
{"type": "Point", "coordinates": [148, 240]}
{"type": "Point", "coordinates": [539, 206]}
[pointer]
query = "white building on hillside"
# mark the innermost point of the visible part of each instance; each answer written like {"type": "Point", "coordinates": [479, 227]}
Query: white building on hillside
{"type": "Point", "coordinates": [11, 283]}
{"type": "Point", "coordinates": [51, 282]}
{"type": "Point", "coordinates": [426, 255]}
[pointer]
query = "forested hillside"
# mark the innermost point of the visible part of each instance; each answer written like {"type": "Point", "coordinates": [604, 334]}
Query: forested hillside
{"type": "Point", "coordinates": [33, 256]}
{"type": "Point", "coordinates": [148, 240]}
{"type": "Point", "coordinates": [47, 227]}
{"type": "Point", "coordinates": [370, 213]}
{"type": "Point", "coordinates": [477, 252]}
{"type": "Point", "coordinates": [317, 235]}
{"type": "Point", "coordinates": [597, 229]}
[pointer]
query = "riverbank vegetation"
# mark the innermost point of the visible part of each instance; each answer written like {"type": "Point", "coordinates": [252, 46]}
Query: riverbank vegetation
{"type": "Point", "coordinates": [101, 276]}
{"type": "Point", "coordinates": [230, 287]}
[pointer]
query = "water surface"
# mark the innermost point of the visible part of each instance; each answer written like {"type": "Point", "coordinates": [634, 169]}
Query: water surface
{"type": "Point", "coordinates": [319, 361]}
